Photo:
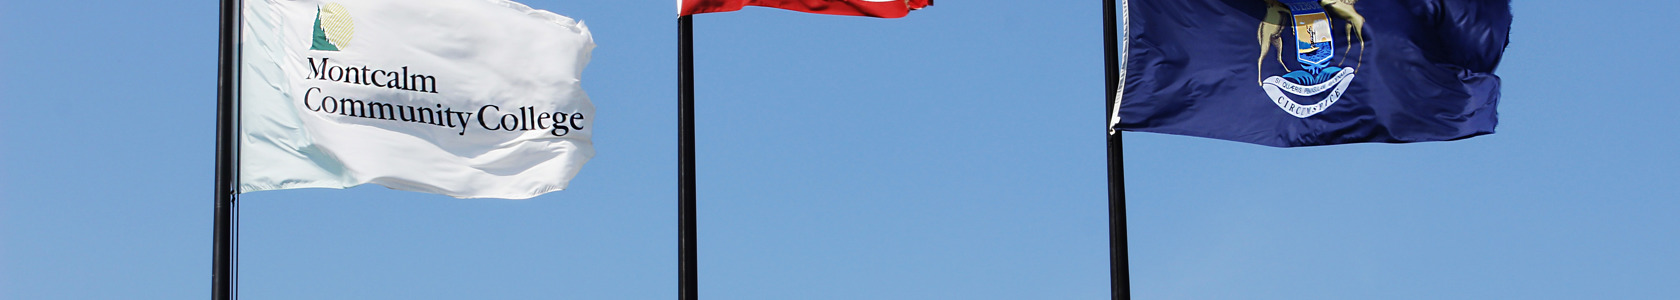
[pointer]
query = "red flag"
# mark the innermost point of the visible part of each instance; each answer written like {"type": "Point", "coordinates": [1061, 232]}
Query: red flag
{"type": "Point", "coordinates": [868, 8]}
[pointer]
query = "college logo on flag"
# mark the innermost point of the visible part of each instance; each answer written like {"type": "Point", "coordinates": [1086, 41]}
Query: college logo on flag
{"type": "Point", "coordinates": [868, 8]}
{"type": "Point", "coordinates": [465, 98]}
{"type": "Point", "coordinates": [333, 28]}
{"type": "Point", "coordinates": [1312, 72]}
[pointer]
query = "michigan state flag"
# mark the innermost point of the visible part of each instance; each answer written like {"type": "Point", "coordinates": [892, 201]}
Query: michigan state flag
{"type": "Point", "coordinates": [1290, 73]}
{"type": "Point", "coordinates": [466, 98]}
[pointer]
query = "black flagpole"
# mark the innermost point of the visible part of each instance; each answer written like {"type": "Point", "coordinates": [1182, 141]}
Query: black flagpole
{"type": "Point", "coordinates": [686, 265]}
{"type": "Point", "coordinates": [1119, 269]}
{"type": "Point", "coordinates": [226, 114]}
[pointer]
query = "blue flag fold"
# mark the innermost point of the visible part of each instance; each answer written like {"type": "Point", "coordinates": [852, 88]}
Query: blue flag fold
{"type": "Point", "coordinates": [1290, 73]}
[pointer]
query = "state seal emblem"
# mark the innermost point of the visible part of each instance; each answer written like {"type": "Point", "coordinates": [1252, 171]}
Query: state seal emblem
{"type": "Point", "coordinates": [1318, 78]}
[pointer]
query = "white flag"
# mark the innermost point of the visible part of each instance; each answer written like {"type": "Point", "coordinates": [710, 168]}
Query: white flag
{"type": "Point", "coordinates": [466, 98]}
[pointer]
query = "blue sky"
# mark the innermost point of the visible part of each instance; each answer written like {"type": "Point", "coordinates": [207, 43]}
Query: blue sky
{"type": "Point", "coordinates": [953, 154]}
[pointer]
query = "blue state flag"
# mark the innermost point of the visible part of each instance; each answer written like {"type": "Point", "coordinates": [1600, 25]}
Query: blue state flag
{"type": "Point", "coordinates": [1289, 73]}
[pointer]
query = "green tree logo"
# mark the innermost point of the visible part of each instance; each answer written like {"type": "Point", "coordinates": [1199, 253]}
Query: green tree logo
{"type": "Point", "coordinates": [333, 28]}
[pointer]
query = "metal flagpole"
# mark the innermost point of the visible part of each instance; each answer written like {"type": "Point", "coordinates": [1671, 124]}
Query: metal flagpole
{"type": "Point", "coordinates": [686, 270]}
{"type": "Point", "coordinates": [226, 152]}
{"type": "Point", "coordinates": [1120, 276]}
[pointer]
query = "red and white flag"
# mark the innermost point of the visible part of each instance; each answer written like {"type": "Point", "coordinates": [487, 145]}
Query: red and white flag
{"type": "Point", "coordinates": [867, 8]}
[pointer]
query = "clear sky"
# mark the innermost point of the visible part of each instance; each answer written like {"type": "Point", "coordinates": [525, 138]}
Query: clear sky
{"type": "Point", "coordinates": [957, 153]}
